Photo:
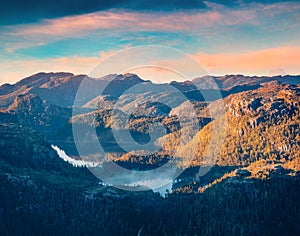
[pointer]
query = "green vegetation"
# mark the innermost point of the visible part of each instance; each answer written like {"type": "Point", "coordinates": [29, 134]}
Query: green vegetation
{"type": "Point", "coordinates": [253, 187]}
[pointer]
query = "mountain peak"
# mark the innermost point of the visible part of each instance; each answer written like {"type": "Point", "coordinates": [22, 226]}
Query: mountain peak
{"type": "Point", "coordinates": [129, 77]}
{"type": "Point", "coordinates": [42, 76]}
{"type": "Point", "coordinates": [122, 77]}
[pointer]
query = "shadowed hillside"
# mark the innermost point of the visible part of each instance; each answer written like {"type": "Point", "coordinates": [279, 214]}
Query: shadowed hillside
{"type": "Point", "coordinates": [250, 187]}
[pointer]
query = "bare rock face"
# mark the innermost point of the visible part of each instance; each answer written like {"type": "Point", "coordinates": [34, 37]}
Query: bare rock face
{"type": "Point", "coordinates": [271, 102]}
{"type": "Point", "coordinates": [255, 122]}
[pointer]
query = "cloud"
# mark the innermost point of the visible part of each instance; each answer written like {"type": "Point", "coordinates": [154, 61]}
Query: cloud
{"type": "Point", "coordinates": [262, 62]}
{"type": "Point", "coordinates": [218, 21]}
{"type": "Point", "coordinates": [20, 11]}
{"type": "Point", "coordinates": [217, 28]}
{"type": "Point", "coordinates": [12, 47]}
{"type": "Point", "coordinates": [15, 70]}
{"type": "Point", "coordinates": [129, 21]}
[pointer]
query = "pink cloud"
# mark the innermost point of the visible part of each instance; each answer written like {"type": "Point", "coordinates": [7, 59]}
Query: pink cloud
{"type": "Point", "coordinates": [260, 62]}
{"type": "Point", "coordinates": [135, 21]}
{"type": "Point", "coordinates": [211, 23]}
{"type": "Point", "coordinates": [13, 71]}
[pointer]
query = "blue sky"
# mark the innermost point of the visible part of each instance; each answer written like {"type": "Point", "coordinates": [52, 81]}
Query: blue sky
{"type": "Point", "coordinates": [226, 37]}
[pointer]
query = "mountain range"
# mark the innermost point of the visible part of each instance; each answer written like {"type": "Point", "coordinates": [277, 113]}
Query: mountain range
{"type": "Point", "coordinates": [259, 153]}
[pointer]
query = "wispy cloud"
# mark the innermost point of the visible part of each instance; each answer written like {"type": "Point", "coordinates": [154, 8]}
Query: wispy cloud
{"type": "Point", "coordinates": [218, 21]}
{"type": "Point", "coordinates": [252, 38]}
{"type": "Point", "coordinates": [218, 15]}
{"type": "Point", "coordinates": [14, 70]}
{"type": "Point", "coordinates": [260, 62]}
{"type": "Point", "coordinates": [134, 21]}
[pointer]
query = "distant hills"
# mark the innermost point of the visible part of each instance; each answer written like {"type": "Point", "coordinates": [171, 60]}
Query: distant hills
{"type": "Point", "coordinates": [250, 187]}
{"type": "Point", "coordinates": [230, 81]}
{"type": "Point", "coordinates": [60, 88]}
{"type": "Point", "coordinates": [258, 109]}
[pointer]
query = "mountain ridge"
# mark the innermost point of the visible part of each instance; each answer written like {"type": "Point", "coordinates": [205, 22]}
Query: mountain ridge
{"type": "Point", "coordinates": [60, 88]}
{"type": "Point", "coordinates": [43, 102]}
{"type": "Point", "coordinates": [227, 79]}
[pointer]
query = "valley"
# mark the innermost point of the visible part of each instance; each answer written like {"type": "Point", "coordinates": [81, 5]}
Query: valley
{"type": "Point", "coordinates": [255, 168]}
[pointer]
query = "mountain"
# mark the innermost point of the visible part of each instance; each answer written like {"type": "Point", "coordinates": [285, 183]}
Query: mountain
{"type": "Point", "coordinates": [230, 81]}
{"type": "Point", "coordinates": [43, 102]}
{"type": "Point", "coordinates": [256, 171]}
{"type": "Point", "coordinates": [40, 115]}
{"type": "Point", "coordinates": [261, 124]}
{"type": "Point", "coordinates": [60, 88]}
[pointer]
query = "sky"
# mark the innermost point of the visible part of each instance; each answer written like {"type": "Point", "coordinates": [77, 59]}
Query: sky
{"type": "Point", "coordinates": [225, 37]}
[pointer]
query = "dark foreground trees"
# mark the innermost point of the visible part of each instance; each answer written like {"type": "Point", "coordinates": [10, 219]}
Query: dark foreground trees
{"type": "Point", "coordinates": [264, 207]}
